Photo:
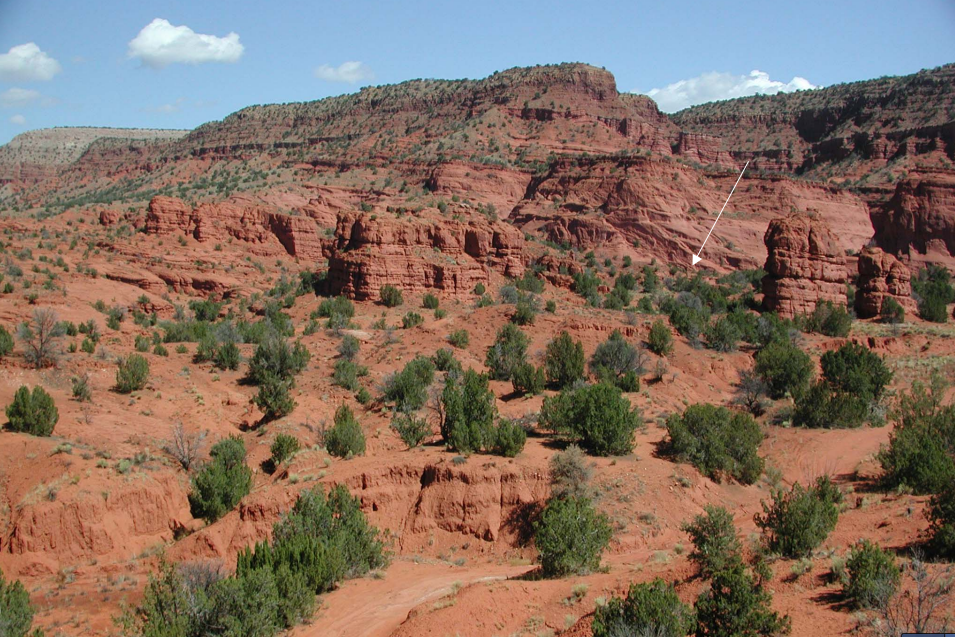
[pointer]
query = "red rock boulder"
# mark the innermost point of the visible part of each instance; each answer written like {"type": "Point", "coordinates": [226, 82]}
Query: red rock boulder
{"type": "Point", "coordinates": [882, 276]}
{"type": "Point", "coordinates": [805, 266]}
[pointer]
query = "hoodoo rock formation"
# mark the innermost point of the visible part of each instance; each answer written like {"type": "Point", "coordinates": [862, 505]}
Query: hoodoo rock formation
{"type": "Point", "coordinates": [805, 266]}
{"type": "Point", "coordinates": [413, 254]}
{"type": "Point", "coordinates": [240, 219]}
{"type": "Point", "coordinates": [882, 276]}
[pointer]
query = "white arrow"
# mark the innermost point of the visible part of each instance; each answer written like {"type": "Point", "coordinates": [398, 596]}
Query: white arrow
{"type": "Point", "coordinates": [696, 257]}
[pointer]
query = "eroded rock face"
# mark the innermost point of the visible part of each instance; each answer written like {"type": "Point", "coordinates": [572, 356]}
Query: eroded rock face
{"type": "Point", "coordinates": [882, 276]}
{"type": "Point", "coordinates": [241, 219]}
{"type": "Point", "coordinates": [805, 266]}
{"type": "Point", "coordinates": [414, 254]}
{"type": "Point", "coordinates": [920, 217]}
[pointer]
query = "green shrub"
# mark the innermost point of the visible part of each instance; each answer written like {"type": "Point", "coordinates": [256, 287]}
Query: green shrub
{"type": "Point", "coordinates": [735, 604]}
{"type": "Point", "coordinates": [349, 347]}
{"type": "Point", "coordinates": [408, 389]}
{"type": "Point", "coordinates": [551, 306]}
{"type": "Point", "coordinates": [32, 412]}
{"type": "Point", "coordinates": [723, 335]}
{"type": "Point", "coordinates": [801, 519]}
{"type": "Point", "coordinates": [821, 407]}
{"type": "Point", "coordinates": [339, 306]}
{"type": "Point", "coordinates": [206, 350]}
{"type": "Point", "coordinates": [564, 361]}
{"type": "Point", "coordinates": [524, 312]}
{"type": "Point", "coordinates": [411, 319]}
{"type": "Point", "coordinates": [570, 537]}
{"type": "Point", "coordinates": [444, 361]}
{"type": "Point", "coordinates": [345, 374]}
{"type": "Point", "coordinates": [617, 361]}
{"type": "Point", "coordinates": [508, 351]}
{"type": "Point", "coordinates": [227, 356]}
{"type": "Point", "coordinates": [459, 338]}
{"type": "Point", "coordinates": [717, 441]}
{"type": "Point", "coordinates": [528, 380]}
{"type": "Point", "coordinates": [205, 310]}
{"type": "Point", "coordinates": [570, 473]}
{"type": "Point", "coordinates": [16, 613]}
{"type": "Point", "coordinates": [132, 374]}
{"type": "Point", "coordinates": [828, 319]}
{"type": "Point", "coordinates": [933, 290]}
{"type": "Point", "coordinates": [479, 289]}
{"type": "Point", "coordinates": [345, 439]}
{"type": "Point", "coordinates": [411, 429]}
{"type": "Point", "coordinates": [530, 282]}
{"type": "Point", "coordinates": [325, 539]}
{"type": "Point", "coordinates": [6, 342]}
{"type": "Point", "coordinates": [274, 357]}
{"type": "Point", "coordinates": [921, 450]}
{"type": "Point", "coordinates": [283, 447]}
{"type": "Point", "coordinates": [81, 389]}
{"type": "Point", "coordinates": [509, 438]}
{"type": "Point", "coordinates": [390, 296]}
{"type": "Point", "coordinates": [651, 282]}
{"type": "Point", "coordinates": [660, 341]}
{"type": "Point", "coordinates": [716, 545]}
{"type": "Point", "coordinates": [142, 343]}
{"type": "Point", "coordinates": [222, 482]}
{"type": "Point", "coordinates": [785, 368]}
{"type": "Point", "coordinates": [585, 284]}
{"type": "Point", "coordinates": [88, 345]}
{"type": "Point", "coordinates": [274, 397]}
{"type": "Point", "coordinates": [892, 312]}
{"type": "Point", "coordinates": [941, 513]}
{"type": "Point", "coordinates": [430, 302]}
{"type": "Point", "coordinates": [599, 416]}
{"type": "Point", "coordinates": [856, 370]}
{"type": "Point", "coordinates": [469, 411]}
{"type": "Point", "coordinates": [651, 608]}
{"type": "Point", "coordinates": [873, 576]}
{"type": "Point", "coordinates": [159, 350]}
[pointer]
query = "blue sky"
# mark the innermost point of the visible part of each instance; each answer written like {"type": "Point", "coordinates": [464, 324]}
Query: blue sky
{"type": "Point", "coordinates": [93, 63]}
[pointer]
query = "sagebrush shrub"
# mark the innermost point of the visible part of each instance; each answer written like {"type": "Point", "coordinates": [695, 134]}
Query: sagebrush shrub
{"type": "Point", "coordinates": [132, 374]}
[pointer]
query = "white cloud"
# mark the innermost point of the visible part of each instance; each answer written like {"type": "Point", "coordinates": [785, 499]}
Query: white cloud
{"type": "Point", "coordinates": [172, 107]}
{"type": "Point", "coordinates": [27, 63]}
{"type": "Point", "coordinates": [19, 120]}
{"type": "Point", "coordinates": [17, 97]}
{"type": "Point", "coordinates": [350, 72]}
{"type": "Point", "coordinates": [160, 44]}
{"type": "Point", "coordinates": [714, 86]}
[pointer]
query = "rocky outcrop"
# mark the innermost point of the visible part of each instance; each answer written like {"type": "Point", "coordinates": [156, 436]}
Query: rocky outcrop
{"type": "Point", "coordinates": [805, 266]}
{"type": "Point", "coordinates": [121, 521]}
{"type": "Point", "coordinates": [882, 276]}
{"type": "Point", "coordinates": [919, 217]}
{"type": "Point", "coordinates": [239, 218]}
{"type": "Point", "coordinates": [416, 254]}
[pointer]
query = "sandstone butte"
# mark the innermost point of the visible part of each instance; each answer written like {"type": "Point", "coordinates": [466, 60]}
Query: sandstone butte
{"type": "Point", "coordinates": [882, 276]}
{"type": "Point", "coordinates": [371, 251]}
{"type": "Point", "coordinates": [805, 266]}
